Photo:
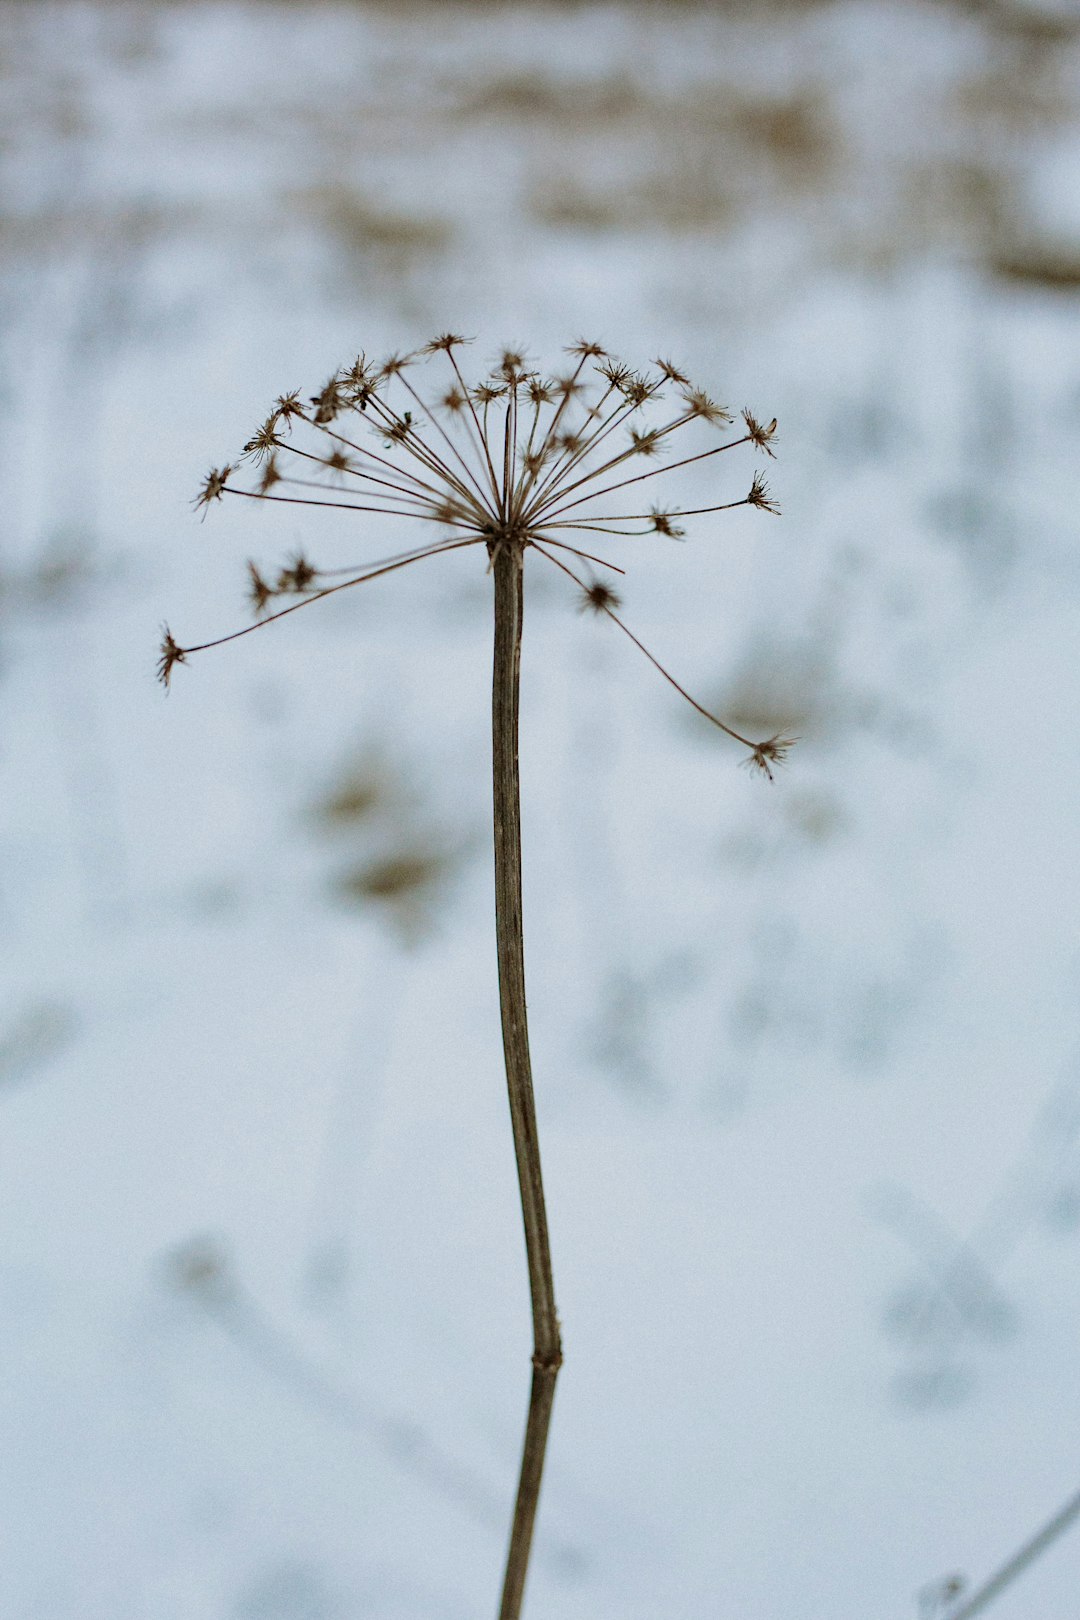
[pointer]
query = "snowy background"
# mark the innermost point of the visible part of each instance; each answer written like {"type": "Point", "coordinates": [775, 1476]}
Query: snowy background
{"type": "Point", "coordinates": [807, 1055]}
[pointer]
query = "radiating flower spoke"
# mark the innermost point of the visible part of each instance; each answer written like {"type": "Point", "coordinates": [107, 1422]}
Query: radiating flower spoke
{"type": "Point", "coordinates": [514, 458]}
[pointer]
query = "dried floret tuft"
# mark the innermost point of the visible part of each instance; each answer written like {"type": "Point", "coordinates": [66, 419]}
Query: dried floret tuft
{"type": "Point", "coordinates": [171, 655]}
{"type": "Point", "coordinates": [699, 404]}
{"type": "Point", "coordinates": [761, 437]}
{"type": "Point", "coordinates": [596, 597]}
{"type": "Point", "coordinates": [299, 575]}
{"type": "Point", "coordinates": [662, 524]}
{"type": "Point", "coordinates": [759, 496]}
{"type": "Point", "coordinates": [260, 592]}
{"type": "Point", "coordinates": [213, 487]}
{"type": "Point", "coordinates": [764, 756]}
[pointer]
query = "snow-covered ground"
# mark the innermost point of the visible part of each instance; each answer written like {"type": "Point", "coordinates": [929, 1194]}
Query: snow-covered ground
{"type": "Point", "coordinates": [807, 1055]}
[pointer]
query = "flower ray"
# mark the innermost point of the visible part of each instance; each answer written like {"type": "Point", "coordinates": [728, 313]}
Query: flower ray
{"type": "Point", "coordinates": [520, 459]}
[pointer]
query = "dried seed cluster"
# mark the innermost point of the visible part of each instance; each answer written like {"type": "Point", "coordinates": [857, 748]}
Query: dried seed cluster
{"type": "Point", "coordinates": [518, 458]}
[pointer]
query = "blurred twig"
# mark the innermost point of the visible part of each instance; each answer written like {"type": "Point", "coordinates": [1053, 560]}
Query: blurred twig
{"type": "Point", "coordinates": [1020, 1561]}
{"type": "Point", "coordinates": [201, 1270]}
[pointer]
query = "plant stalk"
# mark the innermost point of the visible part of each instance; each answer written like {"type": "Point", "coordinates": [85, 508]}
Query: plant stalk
{"type": "Point", "coordinates": [508, 558]}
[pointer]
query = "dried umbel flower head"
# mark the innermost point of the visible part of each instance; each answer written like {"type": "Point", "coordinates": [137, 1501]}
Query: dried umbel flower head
{"type": "Point", "coordinates": [515, 462]}
{"type": "Point", "coordinates": [514, 458]}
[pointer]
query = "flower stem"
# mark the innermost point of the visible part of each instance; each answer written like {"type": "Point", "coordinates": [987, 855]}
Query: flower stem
{"type": "Point", "coordinates": [547, 1347]}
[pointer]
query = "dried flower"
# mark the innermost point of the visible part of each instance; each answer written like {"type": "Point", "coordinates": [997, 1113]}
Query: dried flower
{"type": "Point", "coordinates": [584, 349]}
{"type": "Point", "coordinates": [394, 365]}
{"type": "Point", "coordinates": [264, 441]}
{"type": "Point", "coordinates": [567, 386]}
{"type": "Point", "coordinates": [287, 406]}
{"type": "Point", "coordinates": [662, 524]}
{"type": "Point", "coordinates": [509, 458]}
{"type": "Point", "coordinates": [540, 393]}
{"type": "Point", "coordinates": [759, 436]}
{"type": "Point", "coordinates": [672, 373]}
{"type": "Point", "coordinates": [270, 475]}
{"type": "Point", "coordinates": [645, 444]}
{"type": "Point", "coordinates": [638, 391]}
{"type": "Point", "coordinates": [616, 373]}
{"type": "Point", "coordinates": [444, 343]}
{"type": "Point", "coordinates": [699, 404]}
{"type": "Point", "coordinates": [300, 575]}
{"type": "Point", "coordinates": [259, 592]}
{"type": "Point", "coordinates": [170, 654]}
{"type": "Point", "coordinates": [213, 487]}
{"type": "Point", "coordinates": [487, 393]}
{"type": "Point", "coordinates": [511, 366]}
{"type": "Point", "coordinates": [596, 597]}
{"type": "Point", "coordinates": [331, 400]}
{"type": "Point", "coordinates": [759, 496]}
{"type": "Point", "coordinates": [773, 751]}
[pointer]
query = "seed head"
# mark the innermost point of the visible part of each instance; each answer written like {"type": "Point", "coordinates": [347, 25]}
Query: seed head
{"type": "Point", "coordinates": [259, 592]}
{"type": "Point", "coordinates": [671, 373]}
{"type": "Point", "coordinates": [213, 487]}
{"type": "Point", "coordinates": [449, 511]}
{"type": "Point", "coordinates": [487, 393]}
{"type": "Point", "coordinates": [645, 444]}
{"type": "Point", "coordinates": [330, 401]}
{"type": "Point", "coordinates": [361, 374]}
{"type": "Point", "coordinates": [444, 343]}
{"type": "Point", "coordinates": [759, 496]}
{"type": "Point", "coordinates": [264, 441]}
{"type": "Point", "coordinates": [566, 387]}
{"type": "Point", "coordinates": [338, 461]}
{"type": "Point", "coordinates": [616, 374]}
{"type": "Point", "coordinates": [638, 390]}
{"type": "Point", "coordinates": [596, 597]}
{"type": "Point", "coordinates": [299, 576]}
{"type": "Point", "coordinates": [540, 393]}
{"type": "Point", "coordinates": [759, 436]}
{"type": "Point", "coordinates": [765, 755]}
{"type": "Point", "coordinates": [511, 366]}
{"type": "Point", "coordinates": [698, 403]}
{"type": "Point", "coordinates": [359, 383]}
{"type": "Point", "coordinates": [662, 524]}
{"type": "Point", "coordinates": [171, 654]}
{"type": "Point", "coordinates": [270, 475]}
{"type": "Point", "coordinates": [288, 405]}
{"type": "Point", "coordinates": [399, 430]}
{"type": "Point", "coordinates": [394, 365]}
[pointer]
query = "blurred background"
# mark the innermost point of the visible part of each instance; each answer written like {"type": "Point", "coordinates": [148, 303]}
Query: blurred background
{"type": "Point", "coordinates": [807, 1055]}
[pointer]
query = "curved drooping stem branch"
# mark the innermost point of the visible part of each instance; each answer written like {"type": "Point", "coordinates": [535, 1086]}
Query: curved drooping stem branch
{"type": "Point", "coordinates": [547, 1348]}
